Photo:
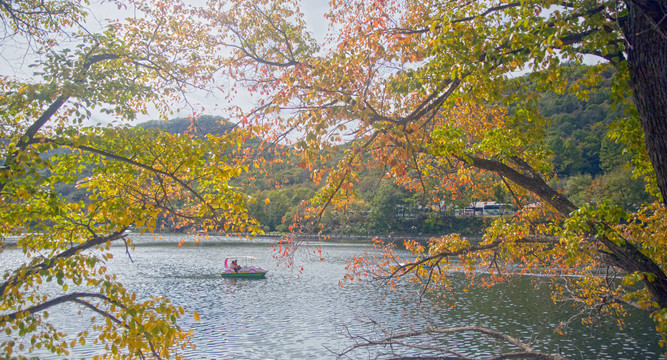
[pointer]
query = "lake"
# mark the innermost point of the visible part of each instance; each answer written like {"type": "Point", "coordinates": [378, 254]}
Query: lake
{"type": "Point", "coordinates": [294, 314]}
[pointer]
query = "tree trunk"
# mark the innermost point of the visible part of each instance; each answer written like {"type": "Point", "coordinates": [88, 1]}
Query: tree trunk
{"type": "Point", "coordinates": [646, 34]}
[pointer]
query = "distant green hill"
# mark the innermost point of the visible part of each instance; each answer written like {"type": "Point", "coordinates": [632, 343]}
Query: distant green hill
{"type": "Point", "coordinates": [205, 124]}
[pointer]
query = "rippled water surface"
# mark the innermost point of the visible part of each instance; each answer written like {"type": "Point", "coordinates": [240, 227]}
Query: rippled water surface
{"type": "Point", "coordinates": [301, 315]}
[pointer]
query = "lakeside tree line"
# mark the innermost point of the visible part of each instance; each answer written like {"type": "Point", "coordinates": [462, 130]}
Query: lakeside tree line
{"type": "Point", "coordinates": [588, 164]}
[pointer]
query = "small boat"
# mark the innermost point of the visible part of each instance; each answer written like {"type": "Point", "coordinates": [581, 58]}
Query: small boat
{"type": "Point", "coordinates": [240, 267]}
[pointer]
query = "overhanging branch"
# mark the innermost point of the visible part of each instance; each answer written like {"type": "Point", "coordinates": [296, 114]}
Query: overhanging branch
{"type": "Point", "coordinates": [395, 341]}
{"type": "Point", "coordinates": [74, 297]}
{"type": "Point", "coordinates": [437, 258]}
{"type": "Point", "coordinates": [48, 263]}
{"type": "Point", "coordinates": [129, 161]}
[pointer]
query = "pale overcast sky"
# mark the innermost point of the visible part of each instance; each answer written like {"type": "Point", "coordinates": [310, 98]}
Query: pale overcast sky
{"type": "Point", "coordinates": [15, 58]}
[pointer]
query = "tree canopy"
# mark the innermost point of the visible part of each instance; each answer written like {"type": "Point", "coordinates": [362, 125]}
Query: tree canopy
{"type": "Point", "coordinates": [432, 94]}
{"type": "Point", "coordinates": [126, 177]}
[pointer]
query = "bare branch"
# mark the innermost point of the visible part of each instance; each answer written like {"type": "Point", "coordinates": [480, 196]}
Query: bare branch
{"type": "Point", "coordinates": [402, 340]}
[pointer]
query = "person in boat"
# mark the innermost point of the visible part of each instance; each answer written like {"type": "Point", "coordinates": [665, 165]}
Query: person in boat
{"type": "Point", "coordinates": [235, 266]}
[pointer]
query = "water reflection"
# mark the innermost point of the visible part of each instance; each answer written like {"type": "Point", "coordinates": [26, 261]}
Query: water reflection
{"type": "Point", "coordinates": [299, 315]}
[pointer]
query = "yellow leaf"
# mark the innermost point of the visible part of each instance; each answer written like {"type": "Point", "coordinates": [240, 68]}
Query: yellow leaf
{"type": "Point", "coordinates": [196, 316]}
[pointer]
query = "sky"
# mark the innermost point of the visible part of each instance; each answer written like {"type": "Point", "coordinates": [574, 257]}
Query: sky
{"type": "Point", "coordinates": [317, 25]}
{"type": "Point", "coordinates": [16, 57]}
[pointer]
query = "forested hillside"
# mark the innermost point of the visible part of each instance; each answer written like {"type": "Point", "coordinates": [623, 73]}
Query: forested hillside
{"type": "Point", "coordinates": [587, 163]}
{"type": "Point", "coordinates": [578, 133]}
{"type": "Point", "coordinates": [587, 160]}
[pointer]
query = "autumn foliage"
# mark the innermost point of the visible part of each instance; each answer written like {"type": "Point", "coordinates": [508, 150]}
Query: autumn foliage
{"type": "Point", "coordinates": [121, 177]}
{"type": "Point", "coordinates": [435, 96]}
{"type": "Point", "coordinates": [431, 94]}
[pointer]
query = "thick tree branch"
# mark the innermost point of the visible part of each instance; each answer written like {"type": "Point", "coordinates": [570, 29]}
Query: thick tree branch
{"type": "Point", "coordinates": [129, 161]}
{"type": "Point", "coordinates": [526, 180]}
{"type": "Point", "coordinates": [48, 263]}
{"type": "Point", "coordinates": [74, 297]}
{"type": "Point", "coordinates": [566, 40]}
{"type": "Point", "coordinates": [433, 260]}
{"type": "Point", "coordinates": [624, 254]}
{"type": "Point", "coordinates": [30, 133]}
